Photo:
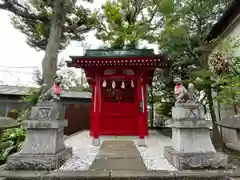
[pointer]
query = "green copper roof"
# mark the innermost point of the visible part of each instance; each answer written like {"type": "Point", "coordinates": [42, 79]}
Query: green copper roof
{"type": "Point", "coordinates": [118, 52]}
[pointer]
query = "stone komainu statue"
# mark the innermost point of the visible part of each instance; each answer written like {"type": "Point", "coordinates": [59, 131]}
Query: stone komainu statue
{"type": "Point", "coordinates": [54, 93]}
{"type": "Point", "coordinates": [181, 93]}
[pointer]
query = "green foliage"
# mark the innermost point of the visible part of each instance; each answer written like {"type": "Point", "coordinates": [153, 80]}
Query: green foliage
{"type": "Point", "coordinates": [30, 100]}
{"type": "Point", "coordinates": [124, 23]}
{"type": "Point", "coordinates": [32, 96]}
{"type": "Point", "coordinates": [184, 29]}
{"type": "Point", "coordinates": [164, 109]}
{"type": "Point", "coordinates": [11, 142]}
{"type": "Point", "coordinates": [79, 20]}
{"type": "Point", "coordinates": [229, 90]}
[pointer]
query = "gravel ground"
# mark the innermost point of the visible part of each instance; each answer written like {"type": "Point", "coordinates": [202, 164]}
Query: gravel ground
{"type": "Point", "coordinates": [84, 153]}
{"type": "Point", "coordinates": [153, 154]}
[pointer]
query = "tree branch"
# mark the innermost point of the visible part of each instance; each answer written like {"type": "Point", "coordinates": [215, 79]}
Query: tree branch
{"type": "Point", "coordinates": [20, 10]}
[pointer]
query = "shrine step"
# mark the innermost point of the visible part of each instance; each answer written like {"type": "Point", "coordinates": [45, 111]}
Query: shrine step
{"type": "Point", "coordinates": [113, 175]}
{"type": "Point", "coordinates": [118, 156]}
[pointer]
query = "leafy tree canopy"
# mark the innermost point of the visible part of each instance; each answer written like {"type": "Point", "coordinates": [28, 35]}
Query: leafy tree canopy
{"type": "Point", "coordinates": [124, 23]}
{"type": "Point", "coordinates": [33, 18]}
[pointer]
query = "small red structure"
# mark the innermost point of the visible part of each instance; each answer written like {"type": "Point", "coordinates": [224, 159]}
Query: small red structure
{"type": "Point", "coordinates": [119, 80]}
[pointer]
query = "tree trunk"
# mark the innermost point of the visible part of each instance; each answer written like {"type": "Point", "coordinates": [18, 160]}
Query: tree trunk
{"type": "Point", "coordinates": [216, 137]}
{"type": "Point", "coordinates": [49, 62]}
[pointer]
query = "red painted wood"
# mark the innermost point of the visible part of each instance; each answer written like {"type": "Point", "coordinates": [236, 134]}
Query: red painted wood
{"type": "Point", "coordinates": [141, 114]}
{"type": "Point", "coordinates": [92, 116]}
{"type": "Point", "coordinates": [145, 110]}
{"type": "Point", "coordinates": [119, 117]}
{"type": "Point", "coordinates": [96, 109]}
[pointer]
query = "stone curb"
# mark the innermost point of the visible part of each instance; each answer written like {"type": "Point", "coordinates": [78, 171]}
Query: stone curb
{"type": "Point", "coordinates": [115, 175]}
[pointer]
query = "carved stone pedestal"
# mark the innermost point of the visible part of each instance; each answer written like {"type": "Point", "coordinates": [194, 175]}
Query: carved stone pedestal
{"type": "Point", "coordinates": [191, 144]}
{"type": "Point", "coordinates": [44, 146]}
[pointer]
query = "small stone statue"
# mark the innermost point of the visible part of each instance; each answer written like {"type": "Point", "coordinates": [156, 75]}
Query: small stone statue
{"type": "Point", "coordinates": [53, 94]}
{"type": "Point", "coordinates": [181, 93]}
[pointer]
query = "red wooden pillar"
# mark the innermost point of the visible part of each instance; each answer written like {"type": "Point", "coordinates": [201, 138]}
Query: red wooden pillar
{"type": "Point", "coordinates": [141, 111]}
{"type": "Point", "coordinates": [145, 110]}
{"type": "Point", "coordinates": [92, 117]}
{"type": "Point", "coordinates": [96, 109]}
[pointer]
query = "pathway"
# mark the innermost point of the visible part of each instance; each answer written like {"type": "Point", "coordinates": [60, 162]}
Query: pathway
{"type": "Point", "coordinates": [84, 153]}
{"type": "Point", "coordinates": [118, 155]}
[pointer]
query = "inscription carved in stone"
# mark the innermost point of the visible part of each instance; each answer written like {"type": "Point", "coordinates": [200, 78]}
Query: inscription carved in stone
{"type": "Point", "coordinates": [194, 162]}
{"type": "Point", "coordinates": [44, 113]}
{"type": "Point", "coordinates": [192, 113]}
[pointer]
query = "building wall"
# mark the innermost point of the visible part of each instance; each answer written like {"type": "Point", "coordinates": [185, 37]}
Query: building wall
{"type": "Point", "coordinates": [233, 32]}
{"type": "Point", "coordinates": [77, 111]}
{"type": "Point", "coordinates": [78, 117]}
{"type": "Point", "coordinates": [9, 103]}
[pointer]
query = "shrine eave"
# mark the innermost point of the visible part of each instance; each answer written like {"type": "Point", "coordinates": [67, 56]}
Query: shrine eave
{"type": "Point", "coordinates": [152, 61]}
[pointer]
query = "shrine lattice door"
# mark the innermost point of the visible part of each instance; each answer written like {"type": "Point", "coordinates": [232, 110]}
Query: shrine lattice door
{"type": "Point", "coordinates": [119, 110]}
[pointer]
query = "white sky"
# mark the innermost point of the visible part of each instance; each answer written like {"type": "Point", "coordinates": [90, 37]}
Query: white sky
{"type": "Point", "coordinates": [14, 51]}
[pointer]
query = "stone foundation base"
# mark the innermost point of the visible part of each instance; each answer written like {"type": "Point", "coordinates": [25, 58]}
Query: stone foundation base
{"type": "Point", "coordinates": [96, 142]}
{"type": "Point", "coordinates": [195, 160]}
{"type": "Point", "coordinates": [20, 161]}
{"type": "Point", "coordinates": [141, 143]}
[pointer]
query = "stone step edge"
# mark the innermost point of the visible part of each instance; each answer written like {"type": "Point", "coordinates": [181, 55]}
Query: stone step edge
{"type": "Point", "coordinates": [79, 175]}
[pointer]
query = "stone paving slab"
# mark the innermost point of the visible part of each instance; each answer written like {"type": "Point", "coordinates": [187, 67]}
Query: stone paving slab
{"type": "Point", "coordinates": [118, 155]}
{"type": "Point", "coordinates": [129, 164]}
{"type": "Point", "coordinates": [117, 175]}
{"type": "Point", "coordinates": [118, 149]}
{"type": "Point", "coordinates": [78, 175]}
{"type": "Point", "coordinates": [22, 175]}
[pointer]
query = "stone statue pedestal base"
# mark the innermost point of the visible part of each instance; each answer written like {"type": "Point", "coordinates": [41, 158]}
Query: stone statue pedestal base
{"type": "Point", "coordinates": [21, 161]}
{"type": "Point", "coordinates": [191, 143]}
{"type": "Point", "coordinates": [187, 161]}
{"type": "Point", "coordinates": [44, 147]}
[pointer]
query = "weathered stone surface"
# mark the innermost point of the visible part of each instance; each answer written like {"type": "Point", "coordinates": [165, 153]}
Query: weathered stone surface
{"type": "Point", "coordinates": [40, 141]}
{"type": "Point", "coordinates": [77, 175]}
{"type": "Point", "coordinates": [192, 147]}
{"type": "Point", "coordinates": [44, 146]}
{"type": "Point", "coordinates": [126, 157]}
{"type": "Point", "coordinates": [49, 110]}
{"type": "Point", "coordinates": [186, 111]}
{"type": "Point", "coordinates": [42, 124]}
{"type": "Point", "coordinates": [231, 132]}
{"type": "Point", "coordinates": [203, 175]}
{"type": "Point", "coordinates": [117, 175]}
{"type": "Point", "coordinates": [23, 175]}
{"type": "Point", "coordinates": [129, 164]}
{"type": "Point", "coordinates": [96, 142]}
{"type": "Point", "coordinates": [20, 161]}
{"type": "Point", "coordinates": [195, 160]}
{"type": "Point", "coordinates": [192, 140]}
{"type": "Point", "coordinates": [140, 175]}
{"type": "Point", "coordinates": [190, 123]}
{"type": "Point", "coordinates": [231, 122]}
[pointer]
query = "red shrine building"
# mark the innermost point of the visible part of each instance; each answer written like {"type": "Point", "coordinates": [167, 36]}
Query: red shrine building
{"type": "Point", "coordinates": [119, 80]}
